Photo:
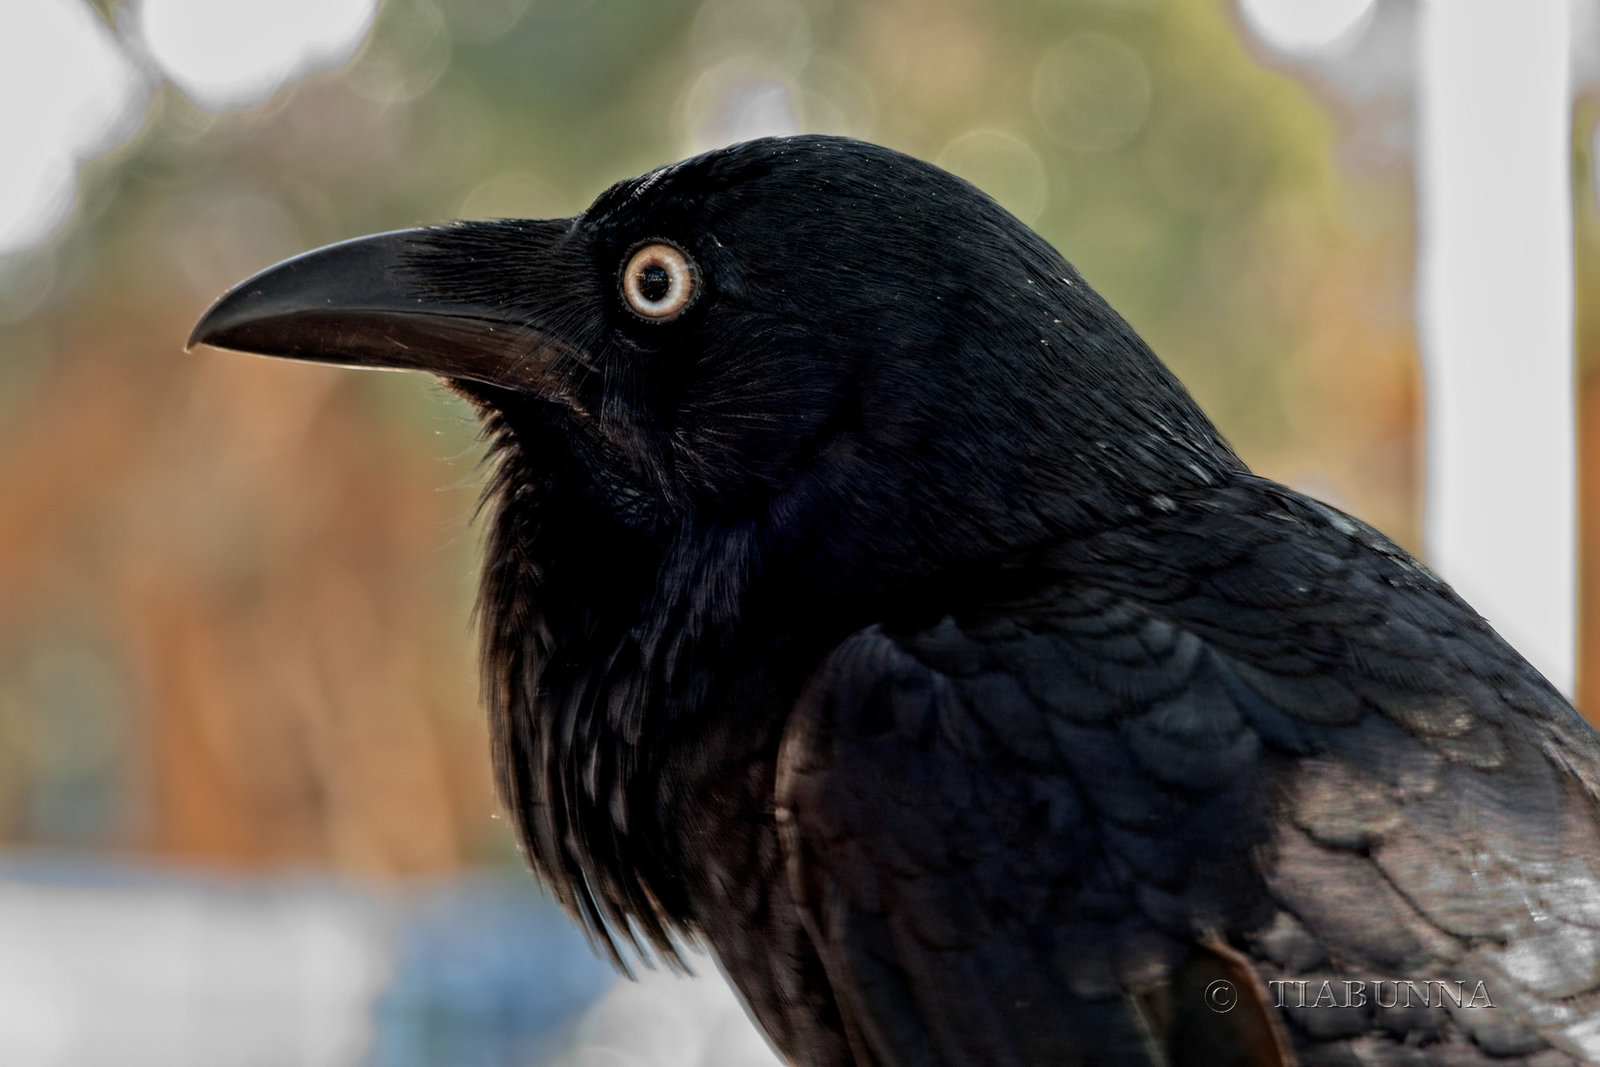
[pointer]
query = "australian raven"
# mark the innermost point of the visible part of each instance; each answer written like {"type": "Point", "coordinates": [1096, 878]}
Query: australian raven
{"type": "Point", "coordinates": [864, 599]}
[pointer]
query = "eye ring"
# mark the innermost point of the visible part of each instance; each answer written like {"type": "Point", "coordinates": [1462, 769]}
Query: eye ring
{"type": "Point", "coordinates": [659, 282]}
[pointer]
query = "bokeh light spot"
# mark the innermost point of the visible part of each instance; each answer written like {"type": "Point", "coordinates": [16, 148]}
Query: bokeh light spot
{"type": "Point", "coordinates": [835, 98]}
{"type": "Point", "coordinates": [1002, 165]}
{"type": "Point", "coordinates": [232, 53]}
{"type": "Point", "coordinates": [1306, 25]}
{"type": "Point", "coordinates": [735, 101]}
{"type": "Point", "coordinates": [82, 95]}
{"type": "Point", "coordinates": [407, 56]}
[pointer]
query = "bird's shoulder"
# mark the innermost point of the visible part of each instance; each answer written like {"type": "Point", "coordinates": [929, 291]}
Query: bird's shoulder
{"type": "Point", "coordinates": [1283, 623]}
{"type": "Point", "coordinates": [1241, 719]}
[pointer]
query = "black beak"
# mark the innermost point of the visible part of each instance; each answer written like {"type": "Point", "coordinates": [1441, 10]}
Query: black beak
{"type": "Point", "coordinates": [468, 301]}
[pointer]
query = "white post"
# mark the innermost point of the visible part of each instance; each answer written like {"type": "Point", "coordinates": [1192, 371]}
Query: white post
{"type": "Point", "coordinates": [1495, 314]}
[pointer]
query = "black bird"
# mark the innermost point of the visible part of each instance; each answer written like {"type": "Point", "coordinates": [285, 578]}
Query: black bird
{"type": "Point", "coordinates": [865, 600]}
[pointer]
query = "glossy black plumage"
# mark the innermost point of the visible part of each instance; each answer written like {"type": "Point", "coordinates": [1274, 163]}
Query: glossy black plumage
{"type": "Point", "coordinates": [893, 622]}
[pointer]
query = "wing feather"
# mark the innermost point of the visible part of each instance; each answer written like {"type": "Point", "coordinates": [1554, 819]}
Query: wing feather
{"type": "Point", "coordinates": [1022, 833]}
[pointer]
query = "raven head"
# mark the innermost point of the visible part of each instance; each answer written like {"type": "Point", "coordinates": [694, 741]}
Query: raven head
{"type": "Point", "coordinates": [812, 334]}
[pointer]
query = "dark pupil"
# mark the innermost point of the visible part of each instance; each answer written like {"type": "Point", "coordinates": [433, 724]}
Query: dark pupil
{"type": "Point", "coordinates": [654, 281]}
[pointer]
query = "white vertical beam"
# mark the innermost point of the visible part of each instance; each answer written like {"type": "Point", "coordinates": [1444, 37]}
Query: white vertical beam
{"type": "Point", "coordinates": [1495, 314]}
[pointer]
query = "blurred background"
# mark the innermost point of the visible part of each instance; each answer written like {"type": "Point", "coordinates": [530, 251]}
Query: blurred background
{"type": "Point", "coordinates": [245, 812]}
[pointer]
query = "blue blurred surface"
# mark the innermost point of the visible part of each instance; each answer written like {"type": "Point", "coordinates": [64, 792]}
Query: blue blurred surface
{"type": "Point", "coordinates": [487, 972]}
{"type": "Point", "coordinates": [102, 962]}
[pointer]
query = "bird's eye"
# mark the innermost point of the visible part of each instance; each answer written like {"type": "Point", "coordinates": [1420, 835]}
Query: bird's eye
{"type": "Point", "coordinates": [658, 282]}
